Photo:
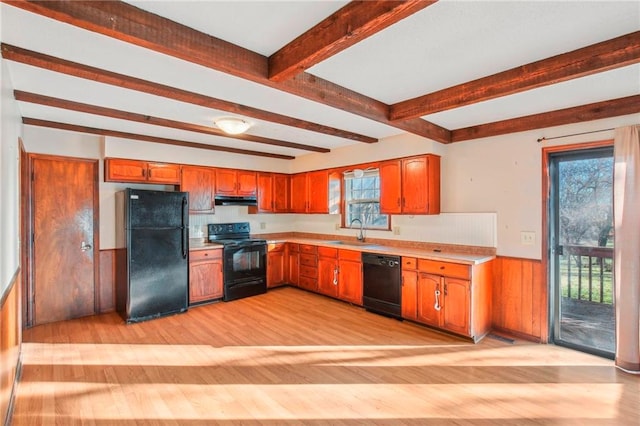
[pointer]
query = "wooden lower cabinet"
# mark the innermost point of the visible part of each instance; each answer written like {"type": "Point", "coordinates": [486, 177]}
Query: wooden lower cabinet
{"type": "Point", "coordinates": [276, 265]}
{"type": "Point", "coordinates": [350, 276]}
{"type": "Point", "coordinates": [205, 275]}
{"type": "Point", "coordinates": [293, 265]}
{"type": "Point", "coordinates": [328, 271]}
{"type": "Point", "coordinates": [308, 267]}
{"type": "Point", "coordinates": [450, 296]}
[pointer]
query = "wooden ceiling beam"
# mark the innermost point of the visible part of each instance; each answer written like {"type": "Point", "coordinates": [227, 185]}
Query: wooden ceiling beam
{"type": "Point", "coordinates": [589, 112]}
{"type": "Point", "coordinates": [346, 27]}
{"type": "Point", "coordinates": [145, 138]}
{"type": "Point", "coordinates": [75, 69]}
{"type": "Point", "coordinates": [156, 121]}
{"type": "Point", "coordinates": [615, 53]}
{"type": "Point", "coordinates": [127, 23]}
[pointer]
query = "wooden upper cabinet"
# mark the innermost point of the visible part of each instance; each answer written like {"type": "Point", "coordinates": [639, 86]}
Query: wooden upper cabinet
{"type": "Point", "coordinates": [280, 193]}
{"type": "Point", "coordinates": [298, 193]}
{"type": "Point", "coordinates": [391, 187]}
{"type": "Point", "coordinates": [235, 182]}
{"type": "Point", "coordinates": [120, 170]}
{"type": "Point", "coordinates": [318, 192]}
{"type": "Point", "coordinates": [411, 185]}
{"type": "Point", "coordinates": [199, 182]}
{"type": "Point", "coordinates": [273, 193]}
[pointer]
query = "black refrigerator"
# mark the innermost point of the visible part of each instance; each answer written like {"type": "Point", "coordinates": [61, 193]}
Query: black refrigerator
{"type": "Point", "coordinates": [153, 229]}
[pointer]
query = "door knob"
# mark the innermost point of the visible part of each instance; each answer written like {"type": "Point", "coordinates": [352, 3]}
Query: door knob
{"type": "Point", "coordinates": [85, 246]}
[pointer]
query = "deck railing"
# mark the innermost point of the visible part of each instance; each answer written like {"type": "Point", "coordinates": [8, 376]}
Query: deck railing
{"type": "Point", "coordinates": [587, 273]}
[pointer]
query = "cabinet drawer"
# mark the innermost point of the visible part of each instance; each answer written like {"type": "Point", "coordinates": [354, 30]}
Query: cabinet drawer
{"type": "Point", "coordinates": [350, 255]}
{"type": "Point", "coordinates": [196, 255]}
{"type": "Point", "coordinates": [308, 283]}
{"type": "Point", "coordinates": [444, 268]}
{"type": "Point", "coordinates": [409, 263]}
{"type": "Point", "coordinates": [271, 247]}
{"type": "Point", "coordinates": [308, 271]}
{"type": "Point", "coordinates": [328, 252]}
{"type": "Point", "coordinates": [308, 260]}
{"type": "Point", "coordinates": [306, 248]}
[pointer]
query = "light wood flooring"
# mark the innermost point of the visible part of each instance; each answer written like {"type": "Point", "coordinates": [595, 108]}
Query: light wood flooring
{"type": "Point", "coordinates": [290, 357]}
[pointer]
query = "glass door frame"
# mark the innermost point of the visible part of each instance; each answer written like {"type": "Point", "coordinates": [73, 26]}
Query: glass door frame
{"type": "Point", "coordinates": [550, 230]}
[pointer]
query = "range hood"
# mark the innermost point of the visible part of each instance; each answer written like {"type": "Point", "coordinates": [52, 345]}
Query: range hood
{"type": "Point", "coordinates": [232, 200]}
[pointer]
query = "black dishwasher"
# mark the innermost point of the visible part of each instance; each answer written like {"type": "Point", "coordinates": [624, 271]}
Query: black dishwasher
{"type": "Point", "coordinates": [382, 278]}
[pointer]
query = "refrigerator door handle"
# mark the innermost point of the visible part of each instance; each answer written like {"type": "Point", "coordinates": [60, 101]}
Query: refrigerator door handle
{"type": "Point", "coordinates": [185, 229]}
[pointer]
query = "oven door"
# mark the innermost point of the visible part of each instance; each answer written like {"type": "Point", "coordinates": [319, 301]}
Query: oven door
{"type": "Point", "coordinates": [245, 262]}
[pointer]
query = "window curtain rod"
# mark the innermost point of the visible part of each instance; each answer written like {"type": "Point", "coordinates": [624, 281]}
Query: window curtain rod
{"type": "Point", "coordinates": [544, 138]}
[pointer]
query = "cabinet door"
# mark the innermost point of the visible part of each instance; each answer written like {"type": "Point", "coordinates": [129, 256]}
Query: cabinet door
{"type": "Point", "coordinates": [246, 183]}
{"type": "Point", "coordinates": [456, 305]}
{"type": "Point", "coordinates": [415, 186]}
{"type": "Point", "coordinates": [225, 181]}
{"type": "Point", "coordinates": [280, 193]}
{"type": "Point", "coordinates": [117, 170]}
{"type": "Point", "coordinates": [163, 173]}
{"type": "Point", "coordinates": [276, 267]}
{"type": "Point", "coordinates": [350, 281]}
{"type": "Point", "coordinates": [299, 193]}
{"type": "Point", "coordinates": [428, 311]}
{"type": "Point", "coordinates": [199, 183]}
{"type": "Point", "coordinates": [391, 187]}
{"type": "Point", "coordinates": [328, 276]}
{"type": "Point", "coordinates": [318, 192]}
{"type": "Point", "coordinates": [410, 295]}
{"type": "Point", "coordinates": [205, 280]}
{"type": "Point", "coordinates": [265, 192]}
{"type": "Point", "coordinates": [294, 262]}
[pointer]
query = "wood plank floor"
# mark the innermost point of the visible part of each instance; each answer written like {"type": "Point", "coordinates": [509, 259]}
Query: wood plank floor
{"type": "Point", "coordinates": [290, 357]}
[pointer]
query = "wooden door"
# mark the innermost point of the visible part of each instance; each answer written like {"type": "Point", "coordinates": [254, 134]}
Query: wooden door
{"type": "Point", "coordinates": [328, 276]}
{"type": "Point", "coordinates": [275, 265]}
{"type": "Point", "coordinates": [390, 187]}
{"type": "Point", "coordinates": [163, 173]}
{"type": "Point", "coordinates": [456, 305]}
{"type": "Point", "coordinates": [409, 294]}
{"type": "Point", "coordinates": [299, 193]}
{"type": "Point", "coordinates": [65, 238]}
{"type": "Point", "coordinates": [265, 192]}
{"type": "Point", "coordinates": [318, 190]}
{"type": "Point", "coordinates": [280, 193]}
{"type": "Point", "coordinates": [294, 261]}
{"type": "Point", "coordinates": [350, 285]}
{"type": "Point", "coordinates": [428, 310]}
{"type": "Point", "coordinates": [415, 186]}
{"type": "Point", "coordinates": [225, 182]}
{"type": "Point", "coordinates": [205, 275]}
{"type": "Point", "coordinates": [199, 183]}
{"type": "Point", "coordinates": [120, 170]}
{"type": "Point", "coordinates": [246, 183]}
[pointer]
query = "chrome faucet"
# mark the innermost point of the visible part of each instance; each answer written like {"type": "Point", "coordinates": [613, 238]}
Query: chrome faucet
{"type": "Point", "coordinates": [360, 236]}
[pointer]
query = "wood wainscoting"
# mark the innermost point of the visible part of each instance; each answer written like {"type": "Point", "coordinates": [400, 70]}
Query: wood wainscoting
{"type": "Point", "coordinates": [520, 298]}
{"type": "Point", "coordinates": [107, 283]}
{"type": "Point", "coordinates": [10, 339]}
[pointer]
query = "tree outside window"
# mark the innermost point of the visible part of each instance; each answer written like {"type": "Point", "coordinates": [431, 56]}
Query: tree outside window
{"type": "Point", "coordinates": [362, 200]}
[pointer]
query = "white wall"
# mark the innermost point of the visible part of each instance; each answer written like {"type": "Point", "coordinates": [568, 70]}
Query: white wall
{"type": "Point", "coordinates": [10, 131]}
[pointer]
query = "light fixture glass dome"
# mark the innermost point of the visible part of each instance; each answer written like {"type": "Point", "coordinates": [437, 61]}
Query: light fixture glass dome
{"type": "Point", "coordinates": [232, 125]}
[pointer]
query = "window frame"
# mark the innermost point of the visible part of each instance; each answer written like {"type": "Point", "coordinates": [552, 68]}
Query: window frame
{"type": "Point", "coordinates": [344, 176]}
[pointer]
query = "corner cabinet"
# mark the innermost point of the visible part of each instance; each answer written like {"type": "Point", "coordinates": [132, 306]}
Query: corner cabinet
{"type": "Point", "coordinates": [410, 185]}
{"type": "Point", "coordinates": [199, 182]}
{"type": "Point", "coordinates": [205, 275]}
{"type": "Point", "coordinates": [135, 171]}
{"type": "Point", "coordinates": [450, 296]}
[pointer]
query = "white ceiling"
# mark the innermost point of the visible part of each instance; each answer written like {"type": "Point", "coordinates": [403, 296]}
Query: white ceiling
{"type": "Point", "coordinates": [445, 44]}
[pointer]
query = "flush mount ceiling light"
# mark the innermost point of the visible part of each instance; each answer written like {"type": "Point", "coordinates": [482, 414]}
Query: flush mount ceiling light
{"type": "Point", "coordinates": [232, 125]}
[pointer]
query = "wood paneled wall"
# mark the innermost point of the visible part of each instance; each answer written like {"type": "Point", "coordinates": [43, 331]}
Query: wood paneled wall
{"type": "Point", "coordinates": [520, 298]}
{"type": "Point", "coordinates": [10, 338]}
{"type": "Point", "coordinates": [106, 286]}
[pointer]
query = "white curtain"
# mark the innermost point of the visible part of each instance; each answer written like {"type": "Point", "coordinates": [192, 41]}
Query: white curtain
{"type": "Point", "coordinates": [626, 204]}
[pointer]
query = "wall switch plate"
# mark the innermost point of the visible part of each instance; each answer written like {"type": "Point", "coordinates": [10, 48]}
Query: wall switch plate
{"type": "Point", "coordinates": [396, 230]}
{"type": "Point", "coordinates": [527, 238]}
{"type": "Point", "coordinates": [263, 225]}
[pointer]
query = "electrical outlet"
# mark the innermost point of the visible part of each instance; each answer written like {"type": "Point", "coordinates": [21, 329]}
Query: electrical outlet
{"type": "Point", "coordinates": [527, 238]}
{"type": "Point", "coordinates": [396, 230]}
{"type": "Point", "coordinates": [263, 225]}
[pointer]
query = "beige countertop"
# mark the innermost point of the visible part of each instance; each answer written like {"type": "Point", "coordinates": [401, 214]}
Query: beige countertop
{"type": "Point", "coordinates": [464, 258]}
{"type": "Point", "coordinates": [200, 244]}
